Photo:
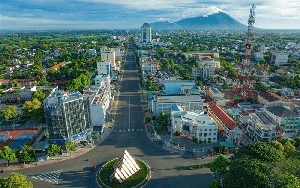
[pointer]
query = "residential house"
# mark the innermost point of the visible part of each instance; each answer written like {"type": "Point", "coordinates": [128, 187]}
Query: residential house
{"type": "Point", "coordinates": [227, 126]}
{"type": "Point", "coordinates": [288, 121]}
{"type": "Point", "coordinates": [262, 127]}
{"type": "Point", "coordinates": [271, 99]}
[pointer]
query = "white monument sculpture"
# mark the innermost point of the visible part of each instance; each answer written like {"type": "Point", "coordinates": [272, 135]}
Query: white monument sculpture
{"type": "Point", "coordinates": [124, 168]}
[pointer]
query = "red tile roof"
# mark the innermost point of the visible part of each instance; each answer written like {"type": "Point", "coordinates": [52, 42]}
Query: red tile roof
{"type": "Point", "coordinates": [58, 82]}
{"type": "Point", "coordinates": [270, 97]}
{"type": "Point", "coordinates": [4, 80]}
{"type": "Point", "coordinates": [57, 66]}
{"type": "Point", "coordinates": [25, 80]}
{"type": "Point", "coordinates": [223, 116]}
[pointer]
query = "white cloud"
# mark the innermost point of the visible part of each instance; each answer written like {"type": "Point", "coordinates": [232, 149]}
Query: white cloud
{"type": "Point", "coordinates": [147, 4]}
{"type": "Point", "coordinates": [194, 12]}
{"type": "Point", "coordinates": [162, 19]}
{"type": "Point", "coordinates": [36, 23]}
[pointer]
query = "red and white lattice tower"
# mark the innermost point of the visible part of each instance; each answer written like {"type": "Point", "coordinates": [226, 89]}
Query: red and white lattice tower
{"type": "Point", "coordinates": [248, 46]}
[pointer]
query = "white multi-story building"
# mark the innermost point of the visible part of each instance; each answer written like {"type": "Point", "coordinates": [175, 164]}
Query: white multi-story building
{"type": "Point", "coordinates": [203, 70]}
{"type": "Point", "coordinates": [173, 87]}
{"type": "Point", "coordinates": [102, 80]}
{"type": "Point", "coordinates": [103, 67]}
{"type": "Point", "coordinates": [210, 62]}
{"type": "Point", "coordinates": [92, 52]}
{"type": "Point", "coordinates": [287, 120]}
{"type": "Point", "coordinates": [149, 65]}
{"type": "Point", "coordinates": [175, 118]}
{"type": "Point", "coordinates": [146, 33]}
{"type": "Point", "coordinates": [259, 55]}
{"type": "Point", "coordinates": [279, 58]}
{"type": "Point", "coordinates": [200, 126]}
{"type": "Point", "coordinates": [108, 55]}
{"type": "Point", "coordinates": [118, 53]}
{"type": "Point", "coordinates": [164, 104]}
{"type": "Point", "coordinates": [99, 98]}
{"type": "Point", "coordinates": [261, 127]}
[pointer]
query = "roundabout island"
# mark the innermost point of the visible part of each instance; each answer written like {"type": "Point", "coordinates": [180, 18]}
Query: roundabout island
{"type": "Point", "coordinates": [124, 172]}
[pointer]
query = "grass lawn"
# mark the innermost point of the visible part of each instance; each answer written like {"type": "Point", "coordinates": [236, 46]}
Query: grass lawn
{"type": "Point", "coordinates": [135, 179]}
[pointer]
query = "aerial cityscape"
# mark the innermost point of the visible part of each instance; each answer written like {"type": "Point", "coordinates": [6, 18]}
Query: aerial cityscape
{"type": "Point", "coordinates": [98, 93]}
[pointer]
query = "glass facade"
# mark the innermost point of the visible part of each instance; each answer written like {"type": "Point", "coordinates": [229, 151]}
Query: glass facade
{"type": "Point", "coordinates": [67, 115]}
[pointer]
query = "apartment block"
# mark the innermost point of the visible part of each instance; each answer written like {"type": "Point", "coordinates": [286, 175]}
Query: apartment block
{"type": "Point", "coordinates": [67, 116]}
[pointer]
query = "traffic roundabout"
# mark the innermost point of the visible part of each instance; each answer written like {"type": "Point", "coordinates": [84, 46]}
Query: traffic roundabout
{"type": "Point", "coordinates": [107, 179]}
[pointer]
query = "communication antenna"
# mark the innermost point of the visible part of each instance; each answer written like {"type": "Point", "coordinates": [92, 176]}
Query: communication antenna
{"type": "Point", "coordinates": [248, 46]}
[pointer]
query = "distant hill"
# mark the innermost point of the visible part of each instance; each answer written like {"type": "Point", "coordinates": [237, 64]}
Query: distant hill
{"type": "Point", "coordinates": [217, 21]}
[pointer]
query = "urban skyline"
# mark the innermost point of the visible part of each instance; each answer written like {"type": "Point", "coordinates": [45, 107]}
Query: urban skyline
{"type": "Point", "coordinates": [103, 14]}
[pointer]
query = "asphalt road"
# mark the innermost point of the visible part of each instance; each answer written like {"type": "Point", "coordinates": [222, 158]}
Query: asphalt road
{"type": "Point", "coordinates": [129, 133]}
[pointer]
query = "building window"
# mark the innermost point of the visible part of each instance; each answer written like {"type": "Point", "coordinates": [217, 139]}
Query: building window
{"type": "Point", "coordinates": [215, 133]}
{"type": "Point", "coordinates": [210, 129]}
{"type": "Point", "coordinates": [205, 134]}
{"type": "Point", "coordinates": [209, 134]}
{"type": "Point", "coordinates": [214, 138]}
{"type": "Point", "coordinates": [200, 130]}
{"type": "Point", "coordinates": [205, 129]}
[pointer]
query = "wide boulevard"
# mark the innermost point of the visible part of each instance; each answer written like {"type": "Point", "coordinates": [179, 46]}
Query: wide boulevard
{"type": "Point", "coordinates": [169, 170]}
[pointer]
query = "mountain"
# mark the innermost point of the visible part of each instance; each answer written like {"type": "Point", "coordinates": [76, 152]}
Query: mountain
{"type": "Point", "coordinates": [215, 21]}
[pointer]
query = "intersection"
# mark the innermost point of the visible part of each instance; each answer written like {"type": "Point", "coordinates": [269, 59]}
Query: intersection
{"type": "Point", "coordinates": [169, 170]}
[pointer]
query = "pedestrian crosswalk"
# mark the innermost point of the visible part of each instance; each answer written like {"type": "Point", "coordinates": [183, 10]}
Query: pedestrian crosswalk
{"type": "Point", "coordinates": [129, 130]}
{"type": "Point", "coordinates": [49, 177]}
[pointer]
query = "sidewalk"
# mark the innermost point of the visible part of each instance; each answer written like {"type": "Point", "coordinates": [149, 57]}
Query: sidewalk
{"type": "Point", "coordinates": [65, 156]}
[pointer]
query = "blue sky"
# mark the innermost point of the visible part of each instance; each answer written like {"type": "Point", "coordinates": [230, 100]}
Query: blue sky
{"type": "Point", "coordinates": [131, 14]}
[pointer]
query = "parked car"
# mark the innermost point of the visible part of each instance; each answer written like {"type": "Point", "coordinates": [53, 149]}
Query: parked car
{"type": "Point", "coordinates": [94, 167]}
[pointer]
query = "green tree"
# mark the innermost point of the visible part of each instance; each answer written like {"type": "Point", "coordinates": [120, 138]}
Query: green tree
{"type": "Point", "coordinates": [163, 119]}
{"type": "Point", "coordinates": [149, 85]}
{"type": "Point", "coordinates": [285, 140]}
{"type": "Point", "coordinates": [14, 84]}
{"type": "Point", "coordinates": [33, 109]}
{"type": "Point", "coordinates": [26, 154]}
{"type": "Point", "coordinates": [8, 154]}
{"type": "Point", "coordinates": [70, 146]}
{"type": "Point", "coordinates": [297, 141]}
{"type": "Point", "coordinates": [53, 150]}
{"type": "Point", "coordinates": [261, 151]}
{"type": "Point", "coordinates": [40, 95]}
{"type": "Point", "coordinates": [283, 172]}
{"type": "Point", "coordinates": [221, 149]}
{"type": "Point", "coordinates": [216, 183]}
{"type": "Point", "coordinates": [250, 174]}
{"type": "Point", "coordinates": [289, 149]}
{"type": "Point", "coordinates": [225, 85]}
{"type": "Point", "coordinates": [9, 112]}
{"type": "Point", "coordinates": [219, 165]}
{"type": "Point", "coordinates": [148, 118]}
{"type": "Point", "coordinates": [277, 145]}
{"type": "Point", "coordinates": [16, 180]}
{"type": "Point", "coordinates": [44, 81]}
